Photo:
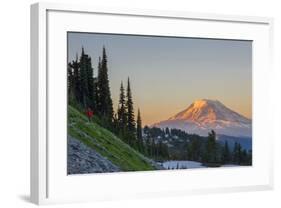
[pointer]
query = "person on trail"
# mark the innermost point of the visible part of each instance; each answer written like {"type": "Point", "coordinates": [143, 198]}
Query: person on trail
{"type": "Point", "coordinates": [89, 114]}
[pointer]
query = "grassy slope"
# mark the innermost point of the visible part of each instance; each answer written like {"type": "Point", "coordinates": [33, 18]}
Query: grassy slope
{"type": "Point", "coordinates": [105, 143]}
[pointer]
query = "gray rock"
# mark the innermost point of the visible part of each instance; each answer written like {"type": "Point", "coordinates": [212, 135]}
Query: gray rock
{"type": "Point", "coordinates": [83, 159]}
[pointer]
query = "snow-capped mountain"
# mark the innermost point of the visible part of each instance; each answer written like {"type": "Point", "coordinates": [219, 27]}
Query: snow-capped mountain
{"type": "Point", "coordinates": [204, 115]}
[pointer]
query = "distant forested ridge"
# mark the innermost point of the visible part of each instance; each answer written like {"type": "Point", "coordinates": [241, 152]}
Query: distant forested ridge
{"type": "Point", "coordinates": [207, 150]}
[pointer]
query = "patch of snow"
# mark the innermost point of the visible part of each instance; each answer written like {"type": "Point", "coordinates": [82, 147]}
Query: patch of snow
{"type": "Point", "coordinates": [182, 164]}
{"type": "Point", "coordinates": [230, 165]}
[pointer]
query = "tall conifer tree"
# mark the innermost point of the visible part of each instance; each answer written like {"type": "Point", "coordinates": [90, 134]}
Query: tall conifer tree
{"type": "Point", "coordinates": [75, 80]}
{"type": "Point", "coordinates": [84, 78]}
{"type": "Point", "coordinates": [98, 85]}
{"type": "Point", "coordinates": [139, 133]}
{"type": "Point", "coordinates": [105, 101]}
{"type": "Point", "coordinates": [236, 153]}
{"type": "Point", "coordinates": [226, 153]}
{"type": "Point", "coordinates": [121, 112]}
{"type": "Point", "coordinates": [130, 110]}
{"type": "Point", "coordinates": [139, 126]}
{"type": "Point", "coordinates": [70, 83]}
{"type": "Point", "coordinates": [90, 82]}
{"type": "Point", "coordinates": [76, 76]}
{"type": "Point", "coordinates": [211, 148]}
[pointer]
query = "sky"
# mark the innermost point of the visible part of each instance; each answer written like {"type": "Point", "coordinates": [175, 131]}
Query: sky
{"type": "Point", "coordinates": [167, 74]}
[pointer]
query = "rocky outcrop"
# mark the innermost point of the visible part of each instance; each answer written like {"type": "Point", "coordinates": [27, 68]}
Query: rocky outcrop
{"type": "Point", "coordinates": [83, 159]}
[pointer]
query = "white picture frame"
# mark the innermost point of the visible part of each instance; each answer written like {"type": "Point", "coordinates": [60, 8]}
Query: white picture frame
{"type": "Point", "coordinates": [49, 181]}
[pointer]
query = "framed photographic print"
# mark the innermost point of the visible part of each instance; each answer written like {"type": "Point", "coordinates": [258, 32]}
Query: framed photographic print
{"type": "Point", "coordinates": [132, 103]}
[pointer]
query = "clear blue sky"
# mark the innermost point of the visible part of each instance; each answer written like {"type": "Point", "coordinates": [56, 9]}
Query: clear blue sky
{"type": "Point", "coordinates": [168, 74]}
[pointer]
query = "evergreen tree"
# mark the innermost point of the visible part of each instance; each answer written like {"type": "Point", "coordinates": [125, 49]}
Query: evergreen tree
{"type": "Point", "coordinates": [147, 147]}
{"type": "Point", "coordinates": [239, 154]}
{"type": "Point", "coordinates": [226, 153]}
{"type": "Point", "coordinates": [236, 153]}
{"type": "Point", "coordinates": [130, 110]}
{"type": "Point", "coordinates": [105, 105]}
{"type": "Point", "coordinates": [167, 131]}
{"type": "Point", "coordinates": [244, 157]}
{"type": "Point", "coordinates": [84, 86]}
{"type": "Point", "coordinates": [70, 83]}
{"type": "Point", "coordinates": [146, 131]}
{"type": "Point", "coordinates": [211, 149]}
{"type": "Point", "coordinates": [75, 80]}
{"type": "Point", "coordinates": [139, 126]}
{"type": "Point", "coordinates": [96, 96]}
{"type": "Point", "coordinates": [99, 81]}
{"type": "Point", "coordinates": [91, 84]}
{"type": "Point", "coordinates": [84, 79]}
{"type": "Point", "coordinates": [165, 151]}
{"type": "Point", "coordinates": [249, 157]}
{"type": "Point", "coordinates": [115, 126]}
{"type": "Point", "coordinates": [153, 148]}
{"type": "Point", "coordinates": [194, 150]}
{"type": "Point", "coordinates": [139, 132]}
{"type": "Point", "coordinates": [122, 112]}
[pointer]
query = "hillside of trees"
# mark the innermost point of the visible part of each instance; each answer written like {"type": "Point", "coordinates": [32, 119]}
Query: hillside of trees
{"type": "Point", "coordinates": [90, 88]}
{"type": "Point", "coordinates": [207, 150]}
{"type": "Point", "coordinates": [87, 90]}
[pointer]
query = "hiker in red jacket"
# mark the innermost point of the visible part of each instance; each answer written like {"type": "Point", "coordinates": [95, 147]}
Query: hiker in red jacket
{"type": "Point", "coordinates": [89, 114]}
